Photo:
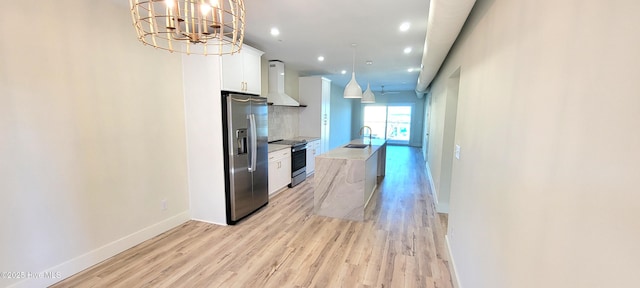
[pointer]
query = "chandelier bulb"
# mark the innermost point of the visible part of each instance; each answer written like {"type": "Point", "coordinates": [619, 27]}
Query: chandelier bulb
{"type": "Point", "coordinates": [205, 8]}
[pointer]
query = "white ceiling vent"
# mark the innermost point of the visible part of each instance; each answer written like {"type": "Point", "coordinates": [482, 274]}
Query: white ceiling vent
{"type": "Point", "coordinates": [446, 18]}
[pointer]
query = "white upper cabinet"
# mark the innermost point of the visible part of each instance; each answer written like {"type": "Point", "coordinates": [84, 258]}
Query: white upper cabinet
{"type": "Point", "coordinates": [253, 71]}
{"type": "Point", "coordinates": [242, 72]}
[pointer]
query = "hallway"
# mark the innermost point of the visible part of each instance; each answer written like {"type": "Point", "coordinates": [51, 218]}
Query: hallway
{"type": "Point", "coordinates": [401, 244]}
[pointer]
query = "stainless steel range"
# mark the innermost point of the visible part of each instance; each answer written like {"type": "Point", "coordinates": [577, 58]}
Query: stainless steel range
{"type": "Point", "coordinates": [298, 159]}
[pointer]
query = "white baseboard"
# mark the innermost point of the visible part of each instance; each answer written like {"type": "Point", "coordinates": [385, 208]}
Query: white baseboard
{"type": "Point", "coordinates": [452, 265]}
{"type": "Point", "coordinates": [66, 269]}
{"type": "Point", "coordinates": [209, 222]}
{"type": "Point", "coordinates": [440, 207]}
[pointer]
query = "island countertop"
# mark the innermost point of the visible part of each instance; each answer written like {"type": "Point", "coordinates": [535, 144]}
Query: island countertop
{"type": "Point", "coordinates": [346, 178]}
{"type": "Point", "coordinates": [342, 152]}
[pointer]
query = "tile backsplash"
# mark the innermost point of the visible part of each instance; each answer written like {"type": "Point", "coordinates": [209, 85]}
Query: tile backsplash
{"type": "Point", "coordinates": [283, 122]}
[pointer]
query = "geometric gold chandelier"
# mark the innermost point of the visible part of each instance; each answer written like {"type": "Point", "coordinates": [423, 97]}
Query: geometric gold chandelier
{"type": "Point", "coordinates": [181, 25]}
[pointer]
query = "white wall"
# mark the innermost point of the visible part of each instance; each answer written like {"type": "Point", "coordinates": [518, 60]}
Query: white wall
{"type": "Point", "coordinates": [92, 137]}
{"type": "Point", "coordinates": [546, 191]}
{"type": "Point", "coordinates": [443, 129]}
{"type": "Point", "coordinates": [425, 125]}
{"type": "Point", "coordinates": [357, 119]}
{"type": "Point", "coordinates": [203, 110]}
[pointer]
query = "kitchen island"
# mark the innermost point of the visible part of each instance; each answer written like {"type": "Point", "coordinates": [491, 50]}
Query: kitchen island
{"type": "Point", "coordinates": [346, 178]}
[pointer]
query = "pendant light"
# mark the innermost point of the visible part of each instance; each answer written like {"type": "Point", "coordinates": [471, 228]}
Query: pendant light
{"type": "Point", "coordinates": [353, 90]}
{"type": "Point", "coordinates": [368, 97]}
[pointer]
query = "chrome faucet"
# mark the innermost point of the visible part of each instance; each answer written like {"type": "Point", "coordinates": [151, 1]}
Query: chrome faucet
{"type": "Point", "coordinates": [362, 133]}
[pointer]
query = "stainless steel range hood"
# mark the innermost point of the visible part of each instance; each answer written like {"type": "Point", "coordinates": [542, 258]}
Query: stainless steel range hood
{"type": "Point", "coordinates": [276, 86]}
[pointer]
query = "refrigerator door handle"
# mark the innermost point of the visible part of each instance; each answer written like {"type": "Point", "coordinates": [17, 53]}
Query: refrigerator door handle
{"type": "Point", "coordinates": [254, 142]}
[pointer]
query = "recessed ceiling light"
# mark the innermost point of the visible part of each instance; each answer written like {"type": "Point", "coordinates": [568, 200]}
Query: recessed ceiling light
{"type": "Point", "coordinates": [369, 62]}
{"type": "Point", "coordinates": [343, 72]}
{"type": "Point", "coordinates": [275, 31]}
{"type": "Point", "coordinates": [407, 50]}
{"type": "Point", "coordinates": [405, 26]}
{"type": "Point", "coordinates": [320, 58]}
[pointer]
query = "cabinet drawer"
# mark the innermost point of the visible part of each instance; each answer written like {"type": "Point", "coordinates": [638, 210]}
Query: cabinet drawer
{"type": "Point", "coordinates": [279, 154]}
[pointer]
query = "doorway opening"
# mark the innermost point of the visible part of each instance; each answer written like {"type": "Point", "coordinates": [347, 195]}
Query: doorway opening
{"type": "Point", "coordinates": [448, 143]}
{"type": "Point", "coordinates": [392, 123]}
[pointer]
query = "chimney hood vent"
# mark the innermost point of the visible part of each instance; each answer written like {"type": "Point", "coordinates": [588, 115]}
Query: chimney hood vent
{"type": "Point", "coordinates": [276, 86]}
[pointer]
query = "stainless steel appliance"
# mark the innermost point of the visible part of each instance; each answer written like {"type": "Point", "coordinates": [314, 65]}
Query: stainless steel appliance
{"type": "Point", "coordinates": [298, 159]}
{"type": "Point", "coordinates": [245, 132]}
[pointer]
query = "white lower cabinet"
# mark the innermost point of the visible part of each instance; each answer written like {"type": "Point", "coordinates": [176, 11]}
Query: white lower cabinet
{"type": "Point", "coordinates": [313, 150]}
{"type": "Point", "coordinates": [279, 170]}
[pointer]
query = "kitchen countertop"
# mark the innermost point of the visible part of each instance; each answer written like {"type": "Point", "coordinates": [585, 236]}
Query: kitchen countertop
{"type": "Point", "coordinates": [355, 153]}
{"type": "Point", "coordinates": [307, 138]}
{"type": "Point", "coordinates": [346, 178]}
{"type": "Point", "coordinates": [278, 147]}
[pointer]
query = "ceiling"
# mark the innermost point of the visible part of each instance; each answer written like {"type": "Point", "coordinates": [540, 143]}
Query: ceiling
{"type": "Point", "coordinates": [313, 28]}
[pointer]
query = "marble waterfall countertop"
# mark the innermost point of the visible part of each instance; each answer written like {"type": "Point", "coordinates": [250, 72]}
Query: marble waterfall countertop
{"type": "Point", "coordinates": [346, 179]}
{"type": "Point", "coordinates": [342, 152]}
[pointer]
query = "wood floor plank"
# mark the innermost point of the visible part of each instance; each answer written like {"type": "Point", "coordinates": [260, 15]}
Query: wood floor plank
{"type": "Point", "coordinates": [400, 244]}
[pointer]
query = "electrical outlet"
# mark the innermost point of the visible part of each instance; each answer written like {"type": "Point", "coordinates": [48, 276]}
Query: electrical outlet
{"type": "Point", "coordinates": [163, 204]}
{"type": "Point", "coordinates": [457, 151]}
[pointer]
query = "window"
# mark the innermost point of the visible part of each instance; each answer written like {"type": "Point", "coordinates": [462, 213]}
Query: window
{"type": "Point", "coordinates": [389, 122]}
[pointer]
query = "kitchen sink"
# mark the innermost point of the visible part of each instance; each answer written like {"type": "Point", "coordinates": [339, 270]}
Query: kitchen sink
{"type": "Point", "coordinates": [357, 146]}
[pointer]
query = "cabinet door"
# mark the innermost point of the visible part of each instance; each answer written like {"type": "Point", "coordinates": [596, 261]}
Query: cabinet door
{"type": "Point", "coordinates": [279, 178]}
{"type": "Point", "coordinates": [313, 150]}
{"type": "Point", "coordinates": [252, 71]}
{"type": "Point", "coordinates": [232, 72]}
{"type": "Point", "coordinates": [285, 171]}
{"type": "Point", "coordinates": [279, 171]}
{"type": "Point", "coordinates": [311, 159]}
{"type": "Point", "coordinates": [273, 167]}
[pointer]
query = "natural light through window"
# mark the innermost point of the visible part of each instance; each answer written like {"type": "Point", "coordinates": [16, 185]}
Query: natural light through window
{"type": "Point", "coordinates": [389, 122]}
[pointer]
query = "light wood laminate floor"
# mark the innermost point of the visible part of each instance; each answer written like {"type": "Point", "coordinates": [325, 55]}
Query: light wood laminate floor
{"type": "Point", "coordinates": [401, 244]}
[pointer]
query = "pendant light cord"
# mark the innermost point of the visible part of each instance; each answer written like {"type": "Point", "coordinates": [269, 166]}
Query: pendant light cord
{"type": "Point", "coordinates": [354, 58]}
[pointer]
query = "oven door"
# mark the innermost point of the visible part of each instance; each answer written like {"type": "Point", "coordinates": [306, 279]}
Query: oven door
{"type": "Point", "coordinates": [298, 164]}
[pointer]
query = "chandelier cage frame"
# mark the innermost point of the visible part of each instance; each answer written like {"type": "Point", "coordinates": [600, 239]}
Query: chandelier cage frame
{"type": "Point", "coordinates": [203, 27]}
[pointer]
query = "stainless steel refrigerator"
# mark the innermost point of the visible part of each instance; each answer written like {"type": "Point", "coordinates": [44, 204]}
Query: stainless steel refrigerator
{"type": "Point", "coordinates": [245, 130]}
